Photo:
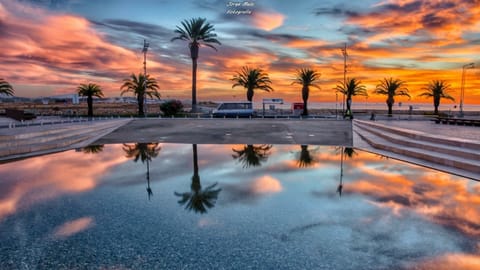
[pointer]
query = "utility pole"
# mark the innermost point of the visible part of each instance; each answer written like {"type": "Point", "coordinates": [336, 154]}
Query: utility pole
{"type": "Point", "coordinates": [144, 50]}
{"type": "Point", "coordinates": [462, 88]}
{"type": "Point", "coordinates": [345, 55]}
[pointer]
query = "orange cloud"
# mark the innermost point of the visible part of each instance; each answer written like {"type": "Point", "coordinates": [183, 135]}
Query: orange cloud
{"type": "Point", "coordinates": [267, 20]}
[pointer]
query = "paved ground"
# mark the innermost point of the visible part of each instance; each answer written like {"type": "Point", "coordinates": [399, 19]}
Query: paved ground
{"type": "Point", "coordinates": [233, 131]}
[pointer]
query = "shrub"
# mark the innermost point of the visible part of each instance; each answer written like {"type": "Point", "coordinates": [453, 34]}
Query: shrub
{"type": "Point", "coordinates": [171, 107]}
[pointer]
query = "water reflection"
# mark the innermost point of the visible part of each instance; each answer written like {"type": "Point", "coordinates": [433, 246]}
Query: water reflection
{"type": "Point", "coordinates": [396, 216]}
{"type": "Point", "coordinates": [306, 157]}
{"type": "Point", "coordinates": [252, 155]}
{"type": "Point", "coordinates": [198, 199]}
{"type": "Point", "coordinates": [93, 149]}
{"type": "Point", "coordinates": [144, 152]}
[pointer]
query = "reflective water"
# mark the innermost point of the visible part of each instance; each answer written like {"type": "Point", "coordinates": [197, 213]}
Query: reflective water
{"type": "Point", "coordinates": [175, 206]}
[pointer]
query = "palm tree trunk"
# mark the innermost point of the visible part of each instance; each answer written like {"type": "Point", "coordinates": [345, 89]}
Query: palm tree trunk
{"type": "Point", "coordinates": [196, 186]}
{"type": "Point", "coordinates": [140, 105]}
{"type": "Point", "coordinates": [194, 85]}
{"type": "Point", "coordinates": [250, 94]}
{"type": "Point", "coordinates": [90, 106]}
{"type": "Point", "coordinates": [305, 99]}
{"type": "Point", "coordinates": [390, 111]}
{"type": "Point", "coordinates": [194, 47]}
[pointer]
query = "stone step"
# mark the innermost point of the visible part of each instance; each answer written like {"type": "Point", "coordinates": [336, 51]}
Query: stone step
{"type": "Point", "coordinates": [68, 138]}
{"type": "Point", "coordinates": [35, 131]}
{"type": "Point", "coordinates": [466, 153]}
{"type": "Point", "coordinates": [421, 136]}
{"type": "Point", "coordinates": [467, 167]}
{"type": "Point", "coordinates": [45, 136]}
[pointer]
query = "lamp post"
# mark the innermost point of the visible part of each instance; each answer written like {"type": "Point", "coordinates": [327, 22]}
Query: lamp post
{"type": "Point", "coordinates": [462, 88]}
{"type": "Point", "coordinates": [345, 54]}
{"type": "Point", "coordinates": [144, 50]}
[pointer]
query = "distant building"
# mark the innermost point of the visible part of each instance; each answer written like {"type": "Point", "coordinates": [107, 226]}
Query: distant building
{"type": "Point", "coordinates": [67, 98]}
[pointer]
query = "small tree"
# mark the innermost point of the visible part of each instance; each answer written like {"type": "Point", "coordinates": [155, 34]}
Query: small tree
{"type": "Point", "coordinates": [306, 77]}
{"type": "Point", "coordinates": [353, 87]}
{"type": "Point", "coordinates": [5, 88]}
{"type": "Point", "coordinates": [90, 90]}
{"type": "Point", "coordinates": [437, 90]}
{"type": "Point", "coordinates": [251, 79]}
{"type": "Point", "coordinates": [171, 107]}
{"type": "Point", "coordinates": [136, 85]}
{"type": "Point", "coordinates": [391, 88]}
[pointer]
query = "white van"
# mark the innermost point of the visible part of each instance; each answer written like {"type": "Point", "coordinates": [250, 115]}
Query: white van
{"type": "Point", "coordinates": [234, 109]}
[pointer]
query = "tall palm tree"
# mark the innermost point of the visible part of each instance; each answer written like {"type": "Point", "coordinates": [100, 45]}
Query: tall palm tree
{"type": "Point", "coordinates": [306, 77]}
{"type": "Point", "coordinates": [252, 155]}
{"type": "Point", "coordinates": [251, 79]}
{"type": "Point", "coordinates": [5, 88]}
{"type": "Point", "coordinates": [353, 87]}
{"type": "Point", "coordinates": [198, 32]}
{"type": "Point", "coordinates": [90, 90]}
{"type": "Point", "coordinates": [437, 89]}
{"type": "Point", "coordinates": [136, 85]}
{"type": "Point", "coordinates": [391, 88]}
{"type": "Point", "coordinates": [198, 199]}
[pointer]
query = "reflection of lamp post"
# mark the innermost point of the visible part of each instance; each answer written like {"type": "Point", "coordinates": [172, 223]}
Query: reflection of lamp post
{"type": "Point", "coordinates": [340, 185]}
{"type": "Point", "coordinates": [462, 88]}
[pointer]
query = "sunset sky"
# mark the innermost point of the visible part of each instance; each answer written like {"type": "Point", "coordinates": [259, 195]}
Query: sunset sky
{"type": "Point", "coordinates": [51, 46]}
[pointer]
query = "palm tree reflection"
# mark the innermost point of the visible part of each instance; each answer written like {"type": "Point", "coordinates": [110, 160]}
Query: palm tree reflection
{"type": "Point", "coordinates": [305, 157]}
{"type": "Point", "coordinates": [93, 149]}
{"type": "Point", "coordinates": [143, 152]}
{"type": "Point", "coordinates": [349, 152]}
{"type": "Point", "coordinates": [198, 199]}
{"type": "Point", "coordinates": [252, 155]}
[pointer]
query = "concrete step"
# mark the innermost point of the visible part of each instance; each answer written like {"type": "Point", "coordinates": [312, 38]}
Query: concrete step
{"type": "Point", "coordinates": [35, 131]}
{"type": "Point", "coordinates": [421, 136]}
{"type": "Point", "coordinates": [59, 133]}
{"type": "Point", "coordinates": [66, 138]}
{"type": "Point", "coordinates": [387, 141]}
{"type": "Point", "coordinates": [462, 152]}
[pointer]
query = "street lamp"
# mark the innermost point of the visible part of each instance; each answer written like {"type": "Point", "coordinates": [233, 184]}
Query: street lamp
{"type": "Point", "coordinates": [345, 54]}
{"type": "Point", "coordinates": [462, 88]}
{"type": "Point", "coordinates": [144, 50]}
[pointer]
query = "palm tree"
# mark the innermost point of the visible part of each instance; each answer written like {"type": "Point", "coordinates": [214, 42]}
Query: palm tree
{"type": "Point", "coordinates": [5, 88]}
{"type": "Point", "coordinates": [252, 155]}
{"type": "Point", "coordinates": [251, 79]}
{"type": "Point", "coordinates": [90, 90]}
{"type": "Point", "coordinates": [305, 158]}
{"type": "Point", "coordinates": [438, 90]}
{"type": "Point", "coordinates": [198, 199]}
{"type": "Point", "coordinates": [391, 88]}
{"type": "Point", "coordinates": [93, 149]}
{"type": "Point", "coordinates": [353, 87]}
{"type": "Point", "coordinates": [198, 32]}
{"type": "Point", "coordinates": [143, 152]}
{"type": "Point", "coordinates": [306, 77]}
{"type": "Point", "coordinates": [136, 85]}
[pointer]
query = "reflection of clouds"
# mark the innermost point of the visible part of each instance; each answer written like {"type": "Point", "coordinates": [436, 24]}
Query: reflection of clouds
{"type": "Point", "coordinates": [73, 227]}
{"type": "Point", "coordinates": [451, 261]}
{"type": "Point", "coordinates": [248, 192]}
{"type": "Point", "coordinates": [442, 198]}
{"type": "Point", "coordinates": [266, 184]}
{"type": "Point", "coordinates": [42, 178]}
